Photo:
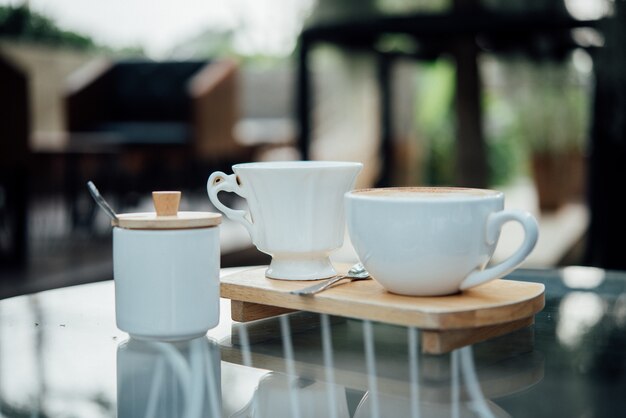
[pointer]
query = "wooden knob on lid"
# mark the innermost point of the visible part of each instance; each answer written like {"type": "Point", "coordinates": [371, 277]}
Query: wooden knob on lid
{"type": "Point", "coordinates": [166, 203]}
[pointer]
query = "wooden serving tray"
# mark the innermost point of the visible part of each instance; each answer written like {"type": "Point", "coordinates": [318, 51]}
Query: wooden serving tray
{"type": "Point", "coordinates": [447, 322]}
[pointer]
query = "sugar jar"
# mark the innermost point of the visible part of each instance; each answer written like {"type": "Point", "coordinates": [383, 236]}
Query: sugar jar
{"type": "Point", "coordinates": [166, 271]}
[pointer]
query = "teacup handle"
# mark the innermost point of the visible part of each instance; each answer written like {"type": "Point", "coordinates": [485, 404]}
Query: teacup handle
{"type": "Point", "coordinates": [494, 225]}
{"type": "Point", "coordinates": [219, 182]}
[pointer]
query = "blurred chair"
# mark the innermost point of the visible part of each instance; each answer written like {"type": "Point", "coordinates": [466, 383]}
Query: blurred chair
{"type": "Point", "coordinates": [154, 124]}
{"type": "Point", "coordinates": [134, 103]}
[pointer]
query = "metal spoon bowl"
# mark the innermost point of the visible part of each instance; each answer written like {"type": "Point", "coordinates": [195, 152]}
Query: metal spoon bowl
{"type": "Point", "coordinates": [356, 272]}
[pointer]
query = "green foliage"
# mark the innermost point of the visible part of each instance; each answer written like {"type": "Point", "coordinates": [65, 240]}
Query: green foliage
{"type": "Point", "coordinates": [21, 23]}
{"type": "Point", "coordinates": [435, 120]}
{"type": "Point", "coordinates": [505, 148]}
{"type": "Point", "coordinates": [505, 157]}
{"type": "Point", "coordinates": [436, 123]}
{"type": "Point", "coordinates": [396, 43]}
{"type": "Point", "coordinates": [552, 105]}
{"type": "Point", "coordinates": [412, 6]}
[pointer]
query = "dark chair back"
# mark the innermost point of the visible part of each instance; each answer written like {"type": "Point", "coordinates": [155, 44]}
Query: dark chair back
{"type": "Point", "coordinates": [136, 102]}
{"type": "Point", "coordinates": [151, 91]}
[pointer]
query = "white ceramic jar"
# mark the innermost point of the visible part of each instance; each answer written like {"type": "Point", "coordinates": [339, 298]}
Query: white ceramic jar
{"type": "Point", "coordinates": [166, 271]}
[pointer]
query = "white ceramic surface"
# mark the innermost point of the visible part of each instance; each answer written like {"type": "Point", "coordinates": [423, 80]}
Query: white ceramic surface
{"type": "Point", "coordinates": [166, 282]}
{"type": "Point", "coordinates": [433, 241]}
{"type": "Point", "coordinates": [295, 213]}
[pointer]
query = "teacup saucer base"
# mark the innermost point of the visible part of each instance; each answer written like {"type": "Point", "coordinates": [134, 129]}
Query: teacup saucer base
{"type": "Point", "coordinates": [300, 268]}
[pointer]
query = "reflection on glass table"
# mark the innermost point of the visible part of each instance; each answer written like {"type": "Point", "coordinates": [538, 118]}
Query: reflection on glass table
{"type": "Point", "coordinates": [281, 395]}
{"type": "Point", "coordinates": [377, 370]}
{"type": "Point", "coordinates": [61, 355]}
{"type": "Point", "coordinates": [168, 379]}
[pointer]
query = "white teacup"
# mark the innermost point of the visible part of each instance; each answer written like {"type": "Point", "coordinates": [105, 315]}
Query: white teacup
{"type": "Point", "coordinates": [427, 241]}
{"type": "Point", "coordinates": [296, 211]}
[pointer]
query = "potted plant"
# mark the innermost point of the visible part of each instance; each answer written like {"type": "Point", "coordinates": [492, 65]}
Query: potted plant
{"type": "Point", "coordinates": [553, 116]}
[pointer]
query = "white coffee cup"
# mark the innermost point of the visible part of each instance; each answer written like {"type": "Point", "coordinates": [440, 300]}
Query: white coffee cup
{"type": "Point", "coordinates": [433, 241]}
{"type": "Point", "coordinates": [296, 211]}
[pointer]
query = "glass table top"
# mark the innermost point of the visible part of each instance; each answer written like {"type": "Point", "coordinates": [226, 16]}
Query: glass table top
{"type": "Point", "coordinates": [61, 355]}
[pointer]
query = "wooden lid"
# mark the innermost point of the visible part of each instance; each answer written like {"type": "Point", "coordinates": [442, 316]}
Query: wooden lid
{"type": "Point", "coordinates": [167, 215]}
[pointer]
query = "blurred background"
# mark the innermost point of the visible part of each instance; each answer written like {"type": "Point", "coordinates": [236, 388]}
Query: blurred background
{"type": "Point", "coordinates": [526, 96]}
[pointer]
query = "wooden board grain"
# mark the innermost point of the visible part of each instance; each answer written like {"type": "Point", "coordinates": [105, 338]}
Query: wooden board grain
{"type": "Point", "coordinates": [496, 302]}
{"type": "Point", "coordinates": [183, 220]}
{"type": "Point", "coordinates": [247, 311]}
{"type": "Point", "coordinates": [437, 342]}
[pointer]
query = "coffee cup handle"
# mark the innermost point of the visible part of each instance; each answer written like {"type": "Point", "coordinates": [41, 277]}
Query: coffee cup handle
{"type": "Point", "coordinates": [495, 221]}
{"type": "Point", "coordinates": [219, 182]}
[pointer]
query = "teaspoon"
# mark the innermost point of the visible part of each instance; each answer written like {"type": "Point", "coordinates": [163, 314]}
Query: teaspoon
{"type": "Point", "coordinates": [101, 202]}
{"type": "Point", "coordinates": [357, 272]}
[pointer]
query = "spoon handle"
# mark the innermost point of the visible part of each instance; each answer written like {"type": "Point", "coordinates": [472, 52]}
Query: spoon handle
{"type": "Point", "coordinates": [100, 200]}
{"type": "Point", "coordinates": [318, 287]}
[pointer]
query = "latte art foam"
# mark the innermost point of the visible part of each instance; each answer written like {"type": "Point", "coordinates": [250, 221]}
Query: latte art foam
{"type": "Point", "coordinates": [425, 192]}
